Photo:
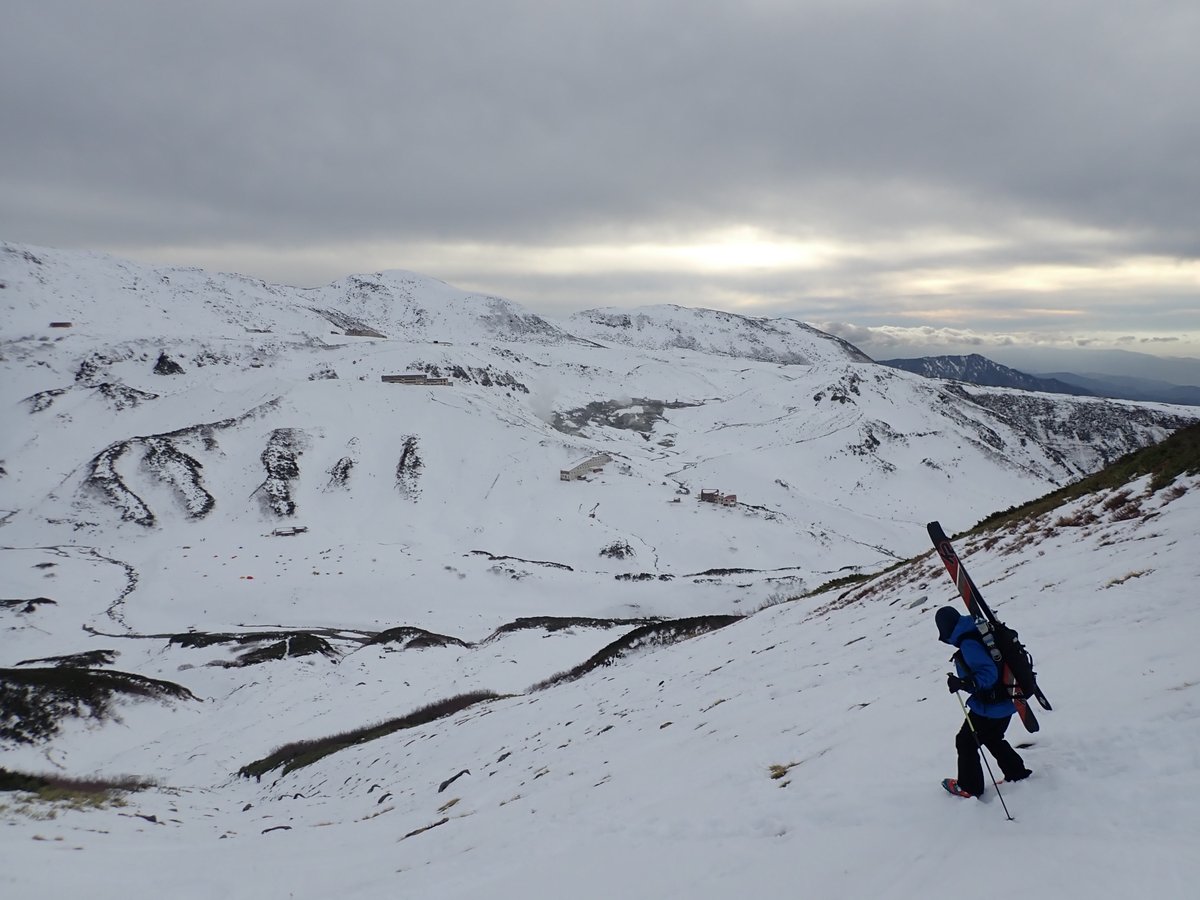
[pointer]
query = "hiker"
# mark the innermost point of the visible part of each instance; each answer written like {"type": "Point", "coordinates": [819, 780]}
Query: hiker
{"type": "Point", "coordinates": [990, 706]}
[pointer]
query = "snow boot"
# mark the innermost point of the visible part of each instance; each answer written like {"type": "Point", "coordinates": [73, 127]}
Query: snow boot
{"type": "Point", "coordinates": [951, 786]}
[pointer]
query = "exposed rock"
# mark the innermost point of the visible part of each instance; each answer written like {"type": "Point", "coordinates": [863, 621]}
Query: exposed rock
{"type": "Point", "coordinates": [87, 659]}
{"type": "Point", "coordinates": [618, 550]}
{"type": "Point", "coordinates": [43, 400]}
{"type": "Point", "coordinates": [1100, 429]}
{"type": "Point", "coordinates": [415, 638]}
{"type": "Point", "coordinates": [26, 606]}
{"type": "Point", "coordinates": [532, 562]}
{"type": "Point", "coordinates": [639, 414]}
{"type": "Point", "coordinates": [339, 473]}
{"type": "Point", "coordinates": [122, 396]}
{"type": "Point", "coordinates": [182, 472]}
{"type": "Point", "coordinates": [34, 702]}
{"type": "Point", "coordinates": [271, 645]}
{"type": "Point", "coordinates": [352, 326]}
{"type": "Point", "coordinates": [281, 460]}
{"type": "Point", "coordinates": [561, 623]}
{"type": "Point", "coordinates": [484, 377]}
{"type": "Point", "coordinates": [408, 469]}
{"type": "Point", "coordinates": [298, 644]}
{"type": "Point", "coordinates": [104, 478]}
{"type": "Point", "coordinates": [653, 634]}
{"type": "Point", "coordinates": [453, 778]}
{"type": "Point", "coordinates": [167, 366]}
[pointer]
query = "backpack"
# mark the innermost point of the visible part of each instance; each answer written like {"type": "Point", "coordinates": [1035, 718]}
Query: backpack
{"type": "Point", "coordinates": [1019, 661]}
{"type": "Point", "coordinates": [1006, 649]}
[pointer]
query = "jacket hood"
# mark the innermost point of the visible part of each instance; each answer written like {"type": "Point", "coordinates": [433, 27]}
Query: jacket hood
{"type": "Point", "coordinates": [965, 623]}
{"type": "Point", "coordinates": [952, 625]}
{"type": "Point", "coordinates": [947, 619]}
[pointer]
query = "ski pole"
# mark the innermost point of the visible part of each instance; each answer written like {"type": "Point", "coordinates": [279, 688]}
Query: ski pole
{"type": "Point", "coordinates": [979, 747]}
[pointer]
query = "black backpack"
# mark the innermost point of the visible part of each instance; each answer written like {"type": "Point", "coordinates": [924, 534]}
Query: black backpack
{"type": "Point", "coordinates": [1005, 648]}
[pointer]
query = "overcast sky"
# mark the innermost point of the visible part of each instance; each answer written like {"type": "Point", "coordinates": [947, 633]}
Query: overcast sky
{"type": "Point", "coordinates": [987, 171]}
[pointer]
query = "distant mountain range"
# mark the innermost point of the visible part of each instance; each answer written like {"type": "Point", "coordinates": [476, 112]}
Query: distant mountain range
{"type": "Point", "coordinates": [976, 369]}
{"type": "Point", "coordinates": [1038, 360]}
{"type": "Point", "coordinates": [1127, 387]}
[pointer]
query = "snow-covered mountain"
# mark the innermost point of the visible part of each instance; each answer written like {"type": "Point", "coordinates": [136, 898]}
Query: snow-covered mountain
{"type": "Point", "coordinates": [185, 402]}
{"type": "Point", "coordinates": [118, 300]}
{"type": "Point", "coordinates": [223, 535]}
{"type": "Point", "coordinates": [976, 369]}
{"type": "Point", "coordinates": [666, 328]}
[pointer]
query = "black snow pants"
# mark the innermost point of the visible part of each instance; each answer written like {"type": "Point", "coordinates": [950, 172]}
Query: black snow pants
{"type": "Point", "coordinates": [991, 736]}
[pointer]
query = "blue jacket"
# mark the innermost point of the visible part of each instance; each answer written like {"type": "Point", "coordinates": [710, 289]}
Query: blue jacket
{"type": "Point", "coordinates": [980, 667]}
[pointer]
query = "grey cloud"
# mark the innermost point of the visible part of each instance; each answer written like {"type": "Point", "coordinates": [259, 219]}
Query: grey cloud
{"type": "Point", "coordinates": [1030, 352]}
{"type": "Point", "coordinates": [479, 120]}
{"type": "Point", "coordinates": [298, 141]}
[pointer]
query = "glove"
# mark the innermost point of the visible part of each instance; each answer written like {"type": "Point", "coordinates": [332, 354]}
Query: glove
{"type": "Point", "coordinates": [956, 684]}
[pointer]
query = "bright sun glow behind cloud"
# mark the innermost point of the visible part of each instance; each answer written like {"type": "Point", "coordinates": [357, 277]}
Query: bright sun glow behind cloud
{"type": "Point", "coordinates": [971, 280]}
{"type": "Point", "coordinates": [747, 249]}
{"type": "Point", "coordinates": [1128, 274]}
{"type": "Point", "coordinates": [728, 251]}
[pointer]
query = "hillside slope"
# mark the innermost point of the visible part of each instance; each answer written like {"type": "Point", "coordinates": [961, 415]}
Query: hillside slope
{"type": "Point", "coordinates": [800, 745]}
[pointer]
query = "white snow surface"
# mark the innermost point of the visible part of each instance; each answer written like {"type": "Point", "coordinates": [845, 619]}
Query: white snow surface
{"type": "Point", "coordinates": [650, 777]}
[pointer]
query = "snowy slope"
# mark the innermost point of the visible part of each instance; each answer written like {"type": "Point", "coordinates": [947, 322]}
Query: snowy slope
{"type": "Point", "coordinates": [106, 296]}
{"type": "Point", "coordinates": [653, 777]}
{"type": "Point", "coordinates": [663, 328]}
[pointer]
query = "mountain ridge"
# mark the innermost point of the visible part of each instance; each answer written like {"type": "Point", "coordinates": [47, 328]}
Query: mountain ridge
{"type": "Point", "coordinates": [974, 368]}
{"type": "Point", "coordinates": [977, 369]}
{"type": "Point", "coordinates": [1128, 387]}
